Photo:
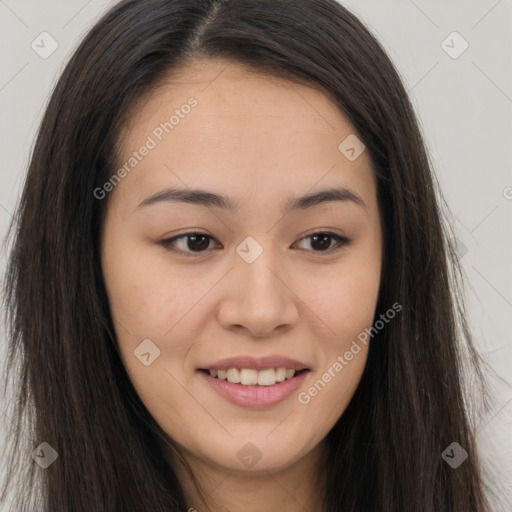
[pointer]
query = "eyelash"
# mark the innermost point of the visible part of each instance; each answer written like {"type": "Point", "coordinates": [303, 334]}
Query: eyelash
{"type": "Point", "coordinates": [168, 244]}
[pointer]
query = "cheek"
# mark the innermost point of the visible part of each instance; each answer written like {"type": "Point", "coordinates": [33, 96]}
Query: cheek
{"type": "Point", "coordinates": [145, 295]}
{"type": "Point", "coordinates": [356, 305]}
{"type": "Point", "coordinates": [347, 308]}
{"type": "Point", "coordinates": [345, 304]}
{"type": "Point", "coordinates": [326, 396]}
{"type": "Point", "coordinates": [147, 303]}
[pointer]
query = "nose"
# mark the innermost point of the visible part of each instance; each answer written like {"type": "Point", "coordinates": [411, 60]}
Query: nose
{"type": "Point", "coordinates": [258, 299]}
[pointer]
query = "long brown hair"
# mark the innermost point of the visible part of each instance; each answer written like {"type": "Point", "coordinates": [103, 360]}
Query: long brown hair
{"type": "Point", "coordinates": [72, 389]}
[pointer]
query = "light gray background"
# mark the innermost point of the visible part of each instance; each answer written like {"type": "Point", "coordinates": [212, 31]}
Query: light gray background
{"type": "Point", "coordinates": [464, 103]}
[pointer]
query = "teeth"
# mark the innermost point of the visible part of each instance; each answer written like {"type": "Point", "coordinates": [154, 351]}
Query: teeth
{"type": "Point", "coordinates": [250, 377]}
{"type": "Point", "coordinates": [280, 374]}
{"type": "Point", "coordinates": [267, 377]}
{"type": "Point", "coordinates": [233, 375]}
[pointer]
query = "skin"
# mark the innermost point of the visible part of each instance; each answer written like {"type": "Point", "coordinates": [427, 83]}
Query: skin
{"type": "Point", "coordinates": [259, 140]}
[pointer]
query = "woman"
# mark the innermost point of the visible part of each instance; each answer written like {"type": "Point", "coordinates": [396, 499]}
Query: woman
{"type": "Point", "coordinates": [231, 287]}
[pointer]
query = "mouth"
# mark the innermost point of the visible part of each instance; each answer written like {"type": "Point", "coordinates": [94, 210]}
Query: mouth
{"type": "Point", "coordinates": [251, 388]}
{"type": "Point", "coordinates": [252, 377]}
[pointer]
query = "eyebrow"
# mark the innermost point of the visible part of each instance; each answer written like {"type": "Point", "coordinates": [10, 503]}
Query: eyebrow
{"type": "Point", "coordinates": [210, 199]}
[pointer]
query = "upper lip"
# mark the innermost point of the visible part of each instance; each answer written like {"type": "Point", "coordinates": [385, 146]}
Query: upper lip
{"type": "Point", "coordinates": [256, 363]}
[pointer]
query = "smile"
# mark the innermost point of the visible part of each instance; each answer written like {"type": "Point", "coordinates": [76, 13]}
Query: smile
{"type": "Point", "coordinates": [255, 388]}
{"type": "Point", "coordinates": [251, 377]}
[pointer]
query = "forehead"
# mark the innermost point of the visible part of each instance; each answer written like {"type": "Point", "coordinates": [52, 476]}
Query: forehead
{"type": "Point", "coordinates": [230, 93]}
{"type": "Point", "coordinates": [246, 132]}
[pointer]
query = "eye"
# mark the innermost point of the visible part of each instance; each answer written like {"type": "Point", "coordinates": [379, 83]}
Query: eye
{"type": "Point", "coordinates": [322, 241]}
{"type": "Point", "coordinates": [190, 243]}
{"type": "Point", "coordinates": [194, 242]}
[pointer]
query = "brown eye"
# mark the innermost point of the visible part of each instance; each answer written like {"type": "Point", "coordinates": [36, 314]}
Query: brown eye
{"type": "Point", "coordinates": [188, 243]}
{"type": "Point", "coordinates": [321, 241]}
{"type": "Point", "coordinates": [191, 244]}
{"type": "Point", "coordinates": [198, 242]}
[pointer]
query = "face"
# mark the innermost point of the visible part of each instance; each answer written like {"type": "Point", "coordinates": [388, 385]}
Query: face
{"type": "Point", "coordinates": [256, 285]}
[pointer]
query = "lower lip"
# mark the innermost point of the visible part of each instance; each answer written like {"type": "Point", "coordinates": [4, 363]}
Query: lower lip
{"type": "Point", "coordinates": [254, 396]}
